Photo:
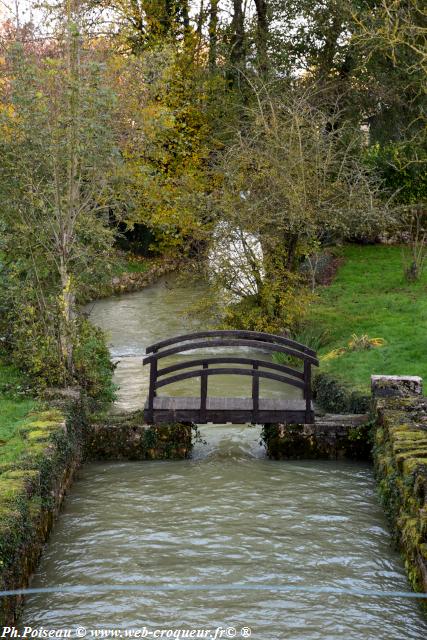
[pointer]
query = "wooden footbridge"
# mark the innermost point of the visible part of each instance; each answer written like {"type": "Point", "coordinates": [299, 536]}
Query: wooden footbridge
{"type": "Point", "coordinates": [203, 409]}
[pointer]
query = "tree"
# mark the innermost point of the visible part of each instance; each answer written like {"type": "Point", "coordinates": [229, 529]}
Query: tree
{"type": "Point", "coordinates": [262, 35]}
{"type": "Point", "coordinates": [59, 159]}
{"type": "Point", "coordinates": [213, 35]}
{"type": "Point", "coordinates": [142, 24]}
{"type": "Point", "coordinates": [167, 149]}
{"type": "Point", "coordinates": [290, 184]}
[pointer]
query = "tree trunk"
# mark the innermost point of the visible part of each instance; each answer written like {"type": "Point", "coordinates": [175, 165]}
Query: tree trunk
{"type": "Point", "coordinates": [262, 36]}
{"type": "Point", "coordinates": [237, 52]}
{"type": "Point", "coordinates": [185, 19]}
{"type": "Point", "coordinates": [68, 213]}
{"type": "Point", "coordinates": [67, 302]}
{"type": "Point", "coordinates": [213, 34]}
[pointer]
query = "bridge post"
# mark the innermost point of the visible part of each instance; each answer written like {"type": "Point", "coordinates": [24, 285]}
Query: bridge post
{"type": "Point", "coordinates": [307, 391]}
{"type": "Point", "coordinates": [203, 392]}
{"type": "Point", "coordinates": [255, 395]}
{"type": "Point", "coordinates": [149, 413]}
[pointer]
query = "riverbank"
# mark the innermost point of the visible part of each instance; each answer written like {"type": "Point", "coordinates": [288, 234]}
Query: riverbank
{"type": "Point", "coordinates": [370, 297]}
{"type": "Point", "coordinates": [42, 446]}
{"type": "Point", "coordinates": [40, 451]}
{"type": "Point", "coordinates": [15, 404]}
{"type": "Point", "coordinates": [131, 273]}
{"type": "Point", "coordinates": [400, 459]}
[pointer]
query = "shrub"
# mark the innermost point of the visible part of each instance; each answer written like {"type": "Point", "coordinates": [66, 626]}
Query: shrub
{"type": "Point", "coordinates": [334, 395]}
{"type": "Point", "coordinates": [310, 336]}
{"type": "Point", "coordinates": [278, 307]}
{"type": "Point", "coordinates": [92, 362]}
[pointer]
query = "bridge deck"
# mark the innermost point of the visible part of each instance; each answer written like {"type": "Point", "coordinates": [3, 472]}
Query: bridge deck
{"type": "Point", "coordinates": [235, 410]}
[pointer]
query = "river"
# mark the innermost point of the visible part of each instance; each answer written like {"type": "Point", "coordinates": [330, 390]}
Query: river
{"type": "Point", "coordinates": [226, 517]}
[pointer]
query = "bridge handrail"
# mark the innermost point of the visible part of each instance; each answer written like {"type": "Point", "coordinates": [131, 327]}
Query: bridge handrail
{"type": "Point", "coordinates": [229, 371]}
{"type": "Point", "coordinates": [232, 342]}
{"type": "Point", "coordinates": [231, 360]}
{"type": "Point", "coordinates": [232, 333]}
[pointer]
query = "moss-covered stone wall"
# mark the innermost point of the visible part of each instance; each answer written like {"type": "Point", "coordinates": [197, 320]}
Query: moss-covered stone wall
{"type": "Point", "coordinates": [332, 437]}
{"type": "Point", "coordinates": [32, 488]}
{"type": "Point", "coordinates": [400, 459]}
{"type": "Point", "coordinates": [127, 437]}
{"type": "Point", "coordinates": [129, 282]}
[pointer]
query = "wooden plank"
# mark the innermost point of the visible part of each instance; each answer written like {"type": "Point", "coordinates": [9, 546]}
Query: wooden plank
{"type": "Point", "coordinates": [235, 417]}
{"type": "Point", "coordinates": [231, 342]}
{"type": "Point", "coordinates": [203, 392]}
{"type": "Point", "coordinates": [251, 335]}
{"type": "Point", "coordinates": [152, 389]}
{"type": "Point", "coordinates": [228, 404]}
{"type": "Point", "coordinates": [307, 386]}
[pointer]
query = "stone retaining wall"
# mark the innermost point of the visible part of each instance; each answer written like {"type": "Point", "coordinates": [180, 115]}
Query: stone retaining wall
{"type": "Point", "coordinates": [31, 492]}
{"type": "Point", "coordinates": [127, 437]}
{"type": "Point", "coordinates": [400, 459]}
{"type": "Point", "coordinates": [332, 437]}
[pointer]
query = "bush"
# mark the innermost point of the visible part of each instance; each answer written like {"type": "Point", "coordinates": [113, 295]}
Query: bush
{"type": "Point", "coordinates": [92, 362]}
{"type": "Point", "coordinates": [337, 397]}
{"type": "Point", "coordinates": [32, 344]}
{"type": "Point", "coordinates": [278, 308]}
{"type": "Point", "coordinates": [401, 168]}
{"type": "Point", "coordinates": [310, 336]}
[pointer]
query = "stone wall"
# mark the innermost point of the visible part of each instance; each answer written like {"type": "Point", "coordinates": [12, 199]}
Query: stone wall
{"type": "Point", "coordinates": [129, 282]}
{"type": "Point", "coordinates": [127, 437]}
{"type": "Point", "coordinates": [400, 459]}
{"type": "Point", "coordinates": [32, 488]}
{"type": "Point", "coordinates": [332, 437]}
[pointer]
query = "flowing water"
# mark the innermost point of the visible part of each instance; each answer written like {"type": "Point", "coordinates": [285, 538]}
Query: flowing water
{"type": "Point", "coordinates": [226, 517]}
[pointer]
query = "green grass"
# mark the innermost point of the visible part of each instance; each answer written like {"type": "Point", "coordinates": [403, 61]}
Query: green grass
{"type": "Point", "coordinates": [370, 296]}
{"type": "Point", "coordinates": [13, 410]}
{"type": "Point", "coordinates": [130, 264]}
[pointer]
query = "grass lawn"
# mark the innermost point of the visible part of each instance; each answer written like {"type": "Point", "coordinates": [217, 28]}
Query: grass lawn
{"type": "Point", "coordinates": [129, 263]}
{"type": "Point", "coordinates": [13, 410]}
{"type": "Point", "coordinates": [370, 296]}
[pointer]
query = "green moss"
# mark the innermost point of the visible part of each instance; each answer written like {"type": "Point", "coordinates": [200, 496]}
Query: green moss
{"type": "Point", "coordinates": [291, 441]}
{"type": "Point", "coordinates": [400, 458]}
{"type": "Point", "coordinates": [122, 438]}
{"type": "Point", "coordinates": [31, 487]}
{"type": "Point", "coordinates": [413, 464]}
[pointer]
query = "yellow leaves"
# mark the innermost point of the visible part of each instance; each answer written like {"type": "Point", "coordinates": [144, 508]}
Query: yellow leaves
{"type": "Point", "coordinates": [335, 353]}
{"type": "Point", "coordinates": [360, 343]}
{"type": "Point", "coordinates": [7, 110]}
{"type": "Point", "coordinates": [356, 343]}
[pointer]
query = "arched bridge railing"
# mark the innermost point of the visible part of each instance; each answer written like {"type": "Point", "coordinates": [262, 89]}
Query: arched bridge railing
{"type": "Point", "coordinates": [221, 410]}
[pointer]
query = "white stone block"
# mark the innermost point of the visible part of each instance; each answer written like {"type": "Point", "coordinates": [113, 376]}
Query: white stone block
{"type": "Point", "coordinates": [396, 386]}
